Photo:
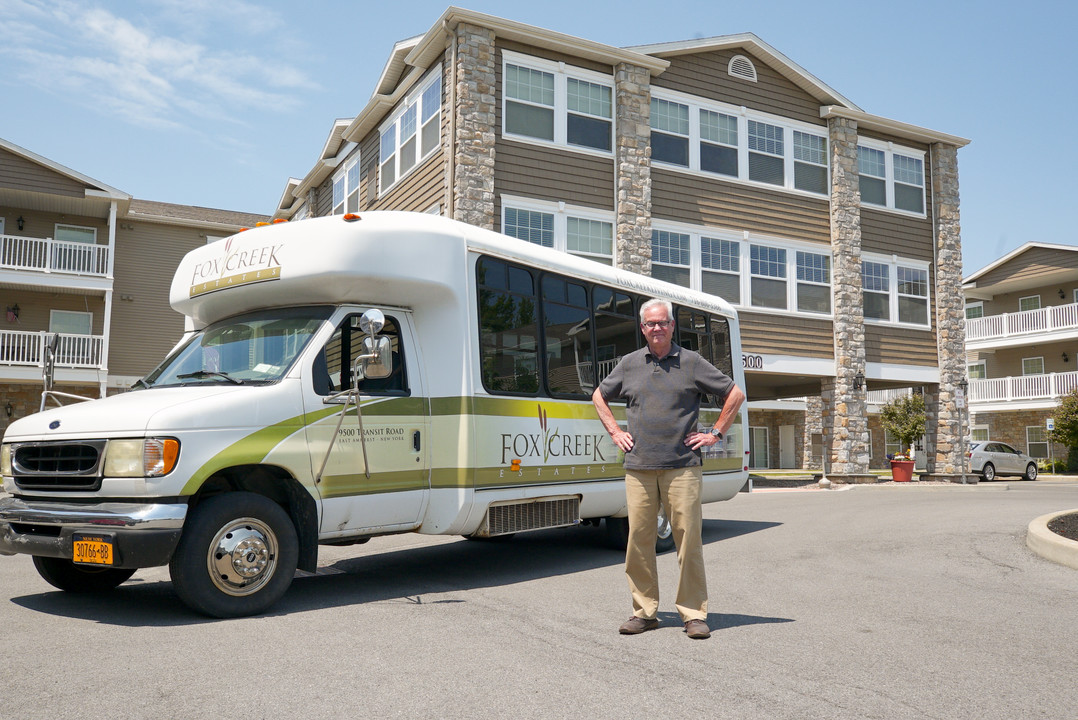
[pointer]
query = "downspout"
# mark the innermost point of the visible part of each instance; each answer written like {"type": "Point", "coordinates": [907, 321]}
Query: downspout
{"type": "Point", "coordinates": [451, 167]}
{"type": "Point", "coordinates": [106, 329]}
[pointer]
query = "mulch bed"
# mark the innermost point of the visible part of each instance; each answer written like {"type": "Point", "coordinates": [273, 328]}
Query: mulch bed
{"type": "Point", "coordinates": [1065, 525]}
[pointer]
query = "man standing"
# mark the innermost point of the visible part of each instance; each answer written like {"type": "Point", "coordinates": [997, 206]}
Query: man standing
{"type": "Point", "coordinates": [663, 385]}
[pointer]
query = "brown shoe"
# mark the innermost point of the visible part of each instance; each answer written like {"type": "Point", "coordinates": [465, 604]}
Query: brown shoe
{"type": "Point", "coordinates": [636, 625]}
{"type": "Point", "coordinates": [697, 629]}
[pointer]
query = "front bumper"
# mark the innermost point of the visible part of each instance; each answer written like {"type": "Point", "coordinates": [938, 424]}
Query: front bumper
{"type": "Point", "coordinates": [144, 535]}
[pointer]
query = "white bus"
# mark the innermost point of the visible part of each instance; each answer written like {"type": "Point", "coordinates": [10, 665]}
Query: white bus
{"type": "Point", "coordinates": [344, 378]}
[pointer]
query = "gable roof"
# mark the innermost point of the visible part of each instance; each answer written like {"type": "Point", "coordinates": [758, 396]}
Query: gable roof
{"type": "Point", "coordinates": [987, 282]}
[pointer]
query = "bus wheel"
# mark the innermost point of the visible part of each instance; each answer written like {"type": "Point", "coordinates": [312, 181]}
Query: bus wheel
{"type": "Point", "coordinates": [617, 533]}
{"type": "Point", "coordinates": [236, 557]}
{"type": "Point", "coordinates": [75, 578]}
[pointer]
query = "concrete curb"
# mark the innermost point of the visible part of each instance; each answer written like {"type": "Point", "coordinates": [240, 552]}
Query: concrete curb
{"type": "Point", "coordinates": [1049, 545]}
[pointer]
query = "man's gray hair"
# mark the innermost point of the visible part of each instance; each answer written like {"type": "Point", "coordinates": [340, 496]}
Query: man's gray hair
{"type": "Point", "coordinates": [657, 301]}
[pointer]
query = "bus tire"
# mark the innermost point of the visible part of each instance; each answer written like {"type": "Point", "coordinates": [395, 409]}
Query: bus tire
{"type": "Point", "coordinates": [617, 533]}
{"type": "Point", "coordinates": [236, 557]}
{"type": "Point", "coordinates": [75, 578]}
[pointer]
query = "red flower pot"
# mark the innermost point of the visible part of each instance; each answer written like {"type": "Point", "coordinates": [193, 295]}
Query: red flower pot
{"type": "Point", "coordinates": [902, 470]}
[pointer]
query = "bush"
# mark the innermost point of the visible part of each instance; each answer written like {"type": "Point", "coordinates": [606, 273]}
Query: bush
{"type": "Point", "coordinates": [904, 417]}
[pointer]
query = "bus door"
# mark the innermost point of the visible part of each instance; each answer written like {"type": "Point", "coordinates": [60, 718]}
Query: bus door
{"type": "Point", "coordinates": [391, 489]}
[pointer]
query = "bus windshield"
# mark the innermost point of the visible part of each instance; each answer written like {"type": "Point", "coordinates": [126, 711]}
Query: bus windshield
{"type": "Point", "coordinates": [252, 349]}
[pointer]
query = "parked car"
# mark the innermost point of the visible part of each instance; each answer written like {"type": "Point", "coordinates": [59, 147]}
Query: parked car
{"type": "Point", "coordinates": [990, 459]}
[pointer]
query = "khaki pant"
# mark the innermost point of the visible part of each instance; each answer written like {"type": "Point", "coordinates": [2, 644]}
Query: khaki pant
{"type": "Point", "coordinates": [678, 490]}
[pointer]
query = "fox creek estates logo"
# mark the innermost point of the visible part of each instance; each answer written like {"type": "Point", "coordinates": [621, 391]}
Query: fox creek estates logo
{"type": "Point", "coordinates": [549, 443]}
{"type": "Point", "coordinates": [236, 266]}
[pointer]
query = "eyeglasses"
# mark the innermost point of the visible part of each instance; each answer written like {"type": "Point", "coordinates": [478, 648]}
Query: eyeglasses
{"type": "Point", "coordinates": [652, 324]}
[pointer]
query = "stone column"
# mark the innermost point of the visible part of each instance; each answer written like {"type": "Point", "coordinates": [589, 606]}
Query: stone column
{"type": "Point", "coordinates": [810, 460]}
{"type": "Point", "coordinates": [474, 119]}
{"type": "Point", "coordinates": [845, 421]}
{"type": "Point", "coordinates": [632, 168]}
{"type": "Point", "coordinates": [946, 456]}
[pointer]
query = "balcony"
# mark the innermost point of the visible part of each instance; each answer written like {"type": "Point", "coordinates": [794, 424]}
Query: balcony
{"type": "Point", "coordinates": [53, 256]}
{"type": "Point", "coordinates": [26, 349]}
{"type": "Point", "coordinates": [1038, 390]}
{"type": "Point", "coordinates": [1056, 322]}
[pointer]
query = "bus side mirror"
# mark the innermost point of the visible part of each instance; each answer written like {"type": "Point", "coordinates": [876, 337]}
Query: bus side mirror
{"type": "Point", "coordinates": [376, 360]}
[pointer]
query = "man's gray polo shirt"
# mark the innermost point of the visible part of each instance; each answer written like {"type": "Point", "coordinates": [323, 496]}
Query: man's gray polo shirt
{"type": "Point", "coordinates": [662, 403]}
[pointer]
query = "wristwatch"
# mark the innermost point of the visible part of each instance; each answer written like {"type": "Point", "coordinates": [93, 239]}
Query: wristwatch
{"type": "Point", "coordinates": [717, 433]}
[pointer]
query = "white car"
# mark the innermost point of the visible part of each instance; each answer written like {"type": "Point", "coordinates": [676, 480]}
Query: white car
{"type": "Point", "coordinates": [990, 459]}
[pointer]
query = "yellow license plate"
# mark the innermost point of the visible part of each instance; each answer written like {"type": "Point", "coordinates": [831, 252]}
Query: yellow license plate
{"type": "Point", "coordinates": [93, 550]}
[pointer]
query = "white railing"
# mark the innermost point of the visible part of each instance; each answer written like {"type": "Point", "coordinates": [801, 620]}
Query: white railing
{"type": "Point", "coordinates": [882, 397]}
{"type": "Point", "coordinates": [22, 348]}
{"type": "Point", "coordinates": [1025, 387]}
{"type": "Point", "coordinates": [48, 255]}
{"type": "Point", "coordinates": [1027, 322]}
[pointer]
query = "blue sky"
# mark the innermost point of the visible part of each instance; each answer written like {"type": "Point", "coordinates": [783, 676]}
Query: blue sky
{"type": "Point", "coordinates": [217, 103]}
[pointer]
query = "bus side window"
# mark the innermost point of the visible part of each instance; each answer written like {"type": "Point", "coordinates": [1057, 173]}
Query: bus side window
{"type": "Point", "coordinates": [616, 328]}
{"type": "Point", "coordinates": [332, 369]}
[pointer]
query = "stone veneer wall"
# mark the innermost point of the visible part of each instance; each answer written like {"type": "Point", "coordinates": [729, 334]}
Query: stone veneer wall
{"type": "Point", "coordinates": [474, 121]}
{"type": "Point", "coordinates": [810, 456]}
{"type": "Point", "coordinates": [845, 423]}
{"type": "Point", "coordinates": [945, 434]}
{"type": "Point", "coordinates": [632, 166]}
{"type": "Point", "coordinates": [1010, 427]}
{"type": "Point", "coordinates": [25, 399]}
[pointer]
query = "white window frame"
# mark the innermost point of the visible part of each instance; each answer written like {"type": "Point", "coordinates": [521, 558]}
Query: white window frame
{"type": "Point", "coordinates": [889, 150]}
{"type": "Point", "coordinates": [979, 304]}
{"type": "Point", "coordinates": [412, 101]}
{"type": "Point", "coordinates": [1039, 359]}
{"type": "Point", "coordinates": [743, 115]}
{"type": "Point", "coordinates": [562, 212]}
{"type": "Point", "coordinates": [745, 241]}
{"type": "Point", "coordinates": [978, 428]}
{"type": "Point", "coordinates": [982, 365]}
{"type": "Point", "coordinates": [89, 317]}
{"type": "Point", "coordinates": [561, 73]}
{"type": "Point", "coordinates": [752, 447]}
{"type": "Point", "coordinates": [347, 179]}
{"type": "Point", "coordinates": [67, 226]}
{"type": "Point", "coordinates": [893, 262]}
{"type": "Point", "coordinates": [1029, 297]}
{"type": "Point", "coordinates": [1040, 430]}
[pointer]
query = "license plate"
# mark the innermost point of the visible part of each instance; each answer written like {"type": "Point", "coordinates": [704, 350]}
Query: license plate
{"type": "Point", "coordinates": [93, 549]}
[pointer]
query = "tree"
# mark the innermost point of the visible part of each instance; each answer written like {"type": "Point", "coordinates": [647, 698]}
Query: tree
{"type": "Point", "coordinates": [1066, 429]}
{"type": "Point", "coordinates": [904, 417]}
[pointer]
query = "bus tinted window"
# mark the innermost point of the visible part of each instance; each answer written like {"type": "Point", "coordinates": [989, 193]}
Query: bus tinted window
{"type": "Point", "coordinates": [567, 330]}
{"type": "Point", "coordinates": [616, 329]}
{"type": "Point", "coordinates": [508, 328]}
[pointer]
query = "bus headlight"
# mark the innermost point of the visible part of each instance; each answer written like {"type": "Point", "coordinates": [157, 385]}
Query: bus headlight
{"type": "Point", "coordinates": [152, 457]}
{"type": "Point", "coordinates": [5, 460]}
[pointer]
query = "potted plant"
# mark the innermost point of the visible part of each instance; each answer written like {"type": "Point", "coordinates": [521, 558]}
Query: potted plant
{"type": "Point", "coordinates": [904, 418]}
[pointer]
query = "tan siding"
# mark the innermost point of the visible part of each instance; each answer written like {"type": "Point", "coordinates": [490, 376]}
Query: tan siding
{"type": "Point", "coordinates": [368, 171]}
{"type": "Point", "coordinates": [901, 346]}
{"type": "Point", "coordinates": [889, 233]}
{"type": "Point", "coordinates": [1007, 362]}
{"type": "Point", "coordinates": [1031, 264]}
{"type": "Point", "coordinates": [145, 328]}
{"type": "Point", "coordinates": [324, 204]}
{"type": "Point", "coordinates": [735, 206]}
{"type": "Point", "coordinates": [43, 225]}
{"type": "Point", "coordinates": [423, 187]}
{"type": "Point", "coordinates": [705, 75]}
{"type": "Point", "coordinates": [1049, 295]}
{"type": "Point", "coordinates": [35, 307]}
{"type": "Point", "coordinates": [543, 173]}
{"type": "Point", "coordinates": [548, 55]}
{"type": "Point", "coordinates": [787, 335]}
{"type": "Point", "coordinates": [21, 174]}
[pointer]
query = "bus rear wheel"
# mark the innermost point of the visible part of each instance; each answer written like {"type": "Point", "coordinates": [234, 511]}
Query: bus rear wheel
{"type": "Point", "coordinates": [617, 532]}
{"type": "Point", "coordinates": [72, 577]}
{"type": "Point", "coordinates": [236, 557]}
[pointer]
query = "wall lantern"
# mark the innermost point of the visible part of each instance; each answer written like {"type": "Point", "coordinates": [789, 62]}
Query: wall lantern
{"type": "Point", "coordinates": [1065, 357]}
{"type": "Point", "coordinates": [963, 385]}
{"type": "Point", "coordinates": [858, 380]}
{"type": "Point", "coordinates": [9, 409]}
{"type": "Point", "coordinates": [20, 222]}
{"type": "Point", "coordinates": [1062, 294]}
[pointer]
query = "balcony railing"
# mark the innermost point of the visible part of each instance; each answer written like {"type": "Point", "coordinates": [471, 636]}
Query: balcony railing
{"type": "Point", "coordinates": [53, 256]}
{"type": "Point", "coordinates": [1027, 322]}
{"type": "Point", "coordinates": [1025, 387]}
{"type": "Point", "coordinates": [72, 351]}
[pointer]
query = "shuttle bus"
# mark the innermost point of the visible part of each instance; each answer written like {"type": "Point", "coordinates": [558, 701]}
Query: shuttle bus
{"type": "Point", "coordinates": [343, 378]}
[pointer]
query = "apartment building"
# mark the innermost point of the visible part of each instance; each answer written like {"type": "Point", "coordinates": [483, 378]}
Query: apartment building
{"type": "Point", "coordinates": [1022, 344]}
{"type": "Point", "coordinates": [718, 164]}
{"type": "Point", "coordinates": [89, 266]}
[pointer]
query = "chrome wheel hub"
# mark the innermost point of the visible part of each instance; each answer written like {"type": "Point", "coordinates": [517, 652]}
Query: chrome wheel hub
{"type": "Point", "coordinates": [242, 557]}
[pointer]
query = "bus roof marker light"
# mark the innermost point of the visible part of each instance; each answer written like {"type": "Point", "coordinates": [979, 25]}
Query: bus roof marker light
{"type": "Point", "coordinates": [351, 217]}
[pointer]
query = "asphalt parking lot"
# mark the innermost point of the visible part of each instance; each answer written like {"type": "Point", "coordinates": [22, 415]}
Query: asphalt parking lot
{"type": "Point", "coordinates": [870, 602]}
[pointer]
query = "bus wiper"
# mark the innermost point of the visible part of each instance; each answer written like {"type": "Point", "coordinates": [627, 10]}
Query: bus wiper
{"type": "Point", "coordinates": [139, 382]}
{"type": "Point", "coordinates": [209, 373]}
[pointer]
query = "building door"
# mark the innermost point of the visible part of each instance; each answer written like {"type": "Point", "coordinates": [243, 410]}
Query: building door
{"type": "Point", "coordinates": [786, 447]}
{"type": "Point", "coordinates": [758, 456]}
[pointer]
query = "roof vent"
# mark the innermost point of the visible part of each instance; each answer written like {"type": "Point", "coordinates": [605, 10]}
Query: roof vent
{"type": "Point", "coordinates": [741, 67]}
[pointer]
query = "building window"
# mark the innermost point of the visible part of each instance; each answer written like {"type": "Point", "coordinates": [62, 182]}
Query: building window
{"type": "Point", "coordinates": [346, 188]}
{"type": "Point", "coordinates": [669, 132]}
{"type": "Point", "coordinates": [1031, 302]}
{"type": "Point", "coordinates": [411, 134]}
{"type": "Point", "coordinates": [977, 371]}
{"type": "Point", "coordinates": [721, 268]}
{"type": "Point", "coordinates": [670, 257]}
{"type": "Point", "coordinates": [70, 322]}
{"type": "Point", "coordinates": [978, 433]}
{"type": "Point", "coordinates": [551, 102]}
{"type": "Point", "coordinates": [813, 282]}
{"type": "Point", "coordinates": [1036, 441]}
{"type": "Point", "coordinates": [974, 310]}
{"type": "Point", "coordinates": [578, 231]}
{"type": "Point", "coordinates": [895, 292]}
{"type": "Point", "coordinates": [768, 273]}
{"type": "Point", "coordinates": [891, 177]}
{"type": "Point", "coordinates": [1033, 366]}
{"type": "Point", "coordinates": [735, 143]}
{"type": "Point", "coordinates": [758, 455]}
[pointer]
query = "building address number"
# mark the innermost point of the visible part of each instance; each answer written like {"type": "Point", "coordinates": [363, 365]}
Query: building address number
{"type": "Point", "coordinates": [752, 362]}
